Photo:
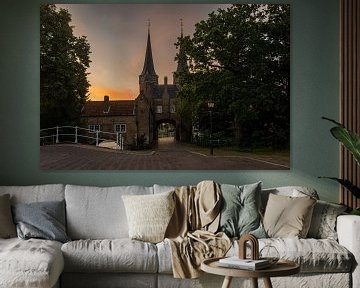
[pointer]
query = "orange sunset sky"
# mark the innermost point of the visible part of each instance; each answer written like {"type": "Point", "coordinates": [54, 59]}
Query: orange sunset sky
{"type": "Point", "coordinates": [117, 35]}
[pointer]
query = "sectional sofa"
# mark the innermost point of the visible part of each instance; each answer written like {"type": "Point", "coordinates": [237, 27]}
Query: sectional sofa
{"type": "Point", "coordinates": [97, 251]}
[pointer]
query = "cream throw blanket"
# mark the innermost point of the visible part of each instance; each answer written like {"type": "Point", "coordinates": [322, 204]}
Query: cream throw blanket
{"type": "Point", "coordinates": [191, 231]}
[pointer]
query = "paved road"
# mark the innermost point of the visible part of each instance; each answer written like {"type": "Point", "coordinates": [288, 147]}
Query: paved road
{"type": "Point", "coordinates": [167, 156]}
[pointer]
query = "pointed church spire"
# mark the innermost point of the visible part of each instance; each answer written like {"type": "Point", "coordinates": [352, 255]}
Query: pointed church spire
{"type": "Point", "coordinates": [148, 71]}
{"type": "Point", "coordinates": [182, 67]}
{"type": "Point", "coordinates": [182, 27]}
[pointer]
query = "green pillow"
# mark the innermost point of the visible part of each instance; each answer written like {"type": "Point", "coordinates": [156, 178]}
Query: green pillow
{"type": "Point", "coordinates": [240, 212]}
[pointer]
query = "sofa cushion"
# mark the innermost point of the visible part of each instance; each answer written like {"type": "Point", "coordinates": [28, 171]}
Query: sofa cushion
{"type": "Point", "coordinates": [323, 222]}
{"type": "Point", "coordinates": [43, 220]}
{"type": "Point", "coordinates": [240, 210]}
{"type": "Point", "coordinates": [163, 188]}
{"type": "Point", "coordinates": [116, 255]}
{"type": "Point", "coordinates": [7, 226]}
{"type": "Point", "coordinates": [30, 263]}
{"type": "Point", "coordinates": [291, 191]}
{"type": "Point", "coordinates": [34, 193]}
{"type": "Point", "coordinates": [287, 216]}
{"type": "Point", "coordinates": [98, 213]}
{"type": "Point", "coordinates": [313, 255]}
{"type": "Point", "coordinates": [149, 215]}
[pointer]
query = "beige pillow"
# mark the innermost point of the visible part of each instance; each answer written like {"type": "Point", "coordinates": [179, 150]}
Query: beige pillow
{"type": "Point", "coordinates": [7, 226]}
{"type": "Point", "coordinates": [149, 215]}
{"type": "Point", "coordinates": [288, 217]}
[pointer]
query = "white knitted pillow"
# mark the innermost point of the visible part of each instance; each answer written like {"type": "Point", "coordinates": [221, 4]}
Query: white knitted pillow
{"type": "Point", "coordinates": [149, 215]}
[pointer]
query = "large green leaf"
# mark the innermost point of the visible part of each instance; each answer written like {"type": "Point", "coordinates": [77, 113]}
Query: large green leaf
{"type": "Point", "coordinates": [348, 185]}
{"type": "Point", "coordinates": [348, 138]}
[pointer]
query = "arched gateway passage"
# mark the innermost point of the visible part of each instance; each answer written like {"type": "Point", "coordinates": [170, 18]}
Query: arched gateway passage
{"type": "Point", "coordinates": [166, 132]}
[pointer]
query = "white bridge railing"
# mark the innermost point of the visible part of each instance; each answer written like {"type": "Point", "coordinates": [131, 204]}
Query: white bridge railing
{"type": "Point", "coordinates": [74, 134]}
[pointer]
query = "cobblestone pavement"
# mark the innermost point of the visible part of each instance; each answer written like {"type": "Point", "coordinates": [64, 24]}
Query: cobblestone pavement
{"type": "Point", "coordinates": [167, 156]}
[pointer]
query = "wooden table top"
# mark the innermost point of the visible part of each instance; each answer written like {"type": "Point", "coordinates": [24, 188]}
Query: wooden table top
{"type": "Point", "coordinates": [281, 268]}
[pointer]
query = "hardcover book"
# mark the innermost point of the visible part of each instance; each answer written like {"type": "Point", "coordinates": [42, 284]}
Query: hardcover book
{"type": "Point", "coordinates": [249, 264]}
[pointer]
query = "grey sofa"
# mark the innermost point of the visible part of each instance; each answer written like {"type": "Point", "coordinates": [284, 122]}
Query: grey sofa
{"type": "Point", "coordinates": [102, 255]}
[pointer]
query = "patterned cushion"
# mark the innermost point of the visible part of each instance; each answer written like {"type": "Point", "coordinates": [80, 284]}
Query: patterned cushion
{"type": "Point", "coordinates": [323, 223]}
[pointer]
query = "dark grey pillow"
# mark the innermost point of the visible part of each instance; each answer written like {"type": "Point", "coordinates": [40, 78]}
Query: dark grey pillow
{"type": "Point", "coordinates": [44, 220]}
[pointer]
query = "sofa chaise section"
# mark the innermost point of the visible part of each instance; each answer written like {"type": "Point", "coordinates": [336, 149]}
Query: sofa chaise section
{"type": "Point", "coordinates": [31, 263]}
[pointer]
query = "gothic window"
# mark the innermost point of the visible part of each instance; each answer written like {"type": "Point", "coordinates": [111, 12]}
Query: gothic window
{"type": "Point", "coordinates": [172, 109]}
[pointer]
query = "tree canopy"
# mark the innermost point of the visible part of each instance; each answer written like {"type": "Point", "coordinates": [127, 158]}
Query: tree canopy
{"type": "Point", "coordinates": [239, 58]}
{"type": "Point", "coordinates": [64, 59]}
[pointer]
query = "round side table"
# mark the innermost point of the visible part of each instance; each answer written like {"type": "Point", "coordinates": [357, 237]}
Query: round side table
{"type": "Point", "coordinates": [281, 268]}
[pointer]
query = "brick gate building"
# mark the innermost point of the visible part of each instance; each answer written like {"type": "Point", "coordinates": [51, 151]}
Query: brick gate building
{"type": "Point", "coordinates": [138, 120]}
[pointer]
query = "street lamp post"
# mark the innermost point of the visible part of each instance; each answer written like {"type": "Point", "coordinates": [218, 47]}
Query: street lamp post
{"type": "Point", "coordinates": [211, 105]}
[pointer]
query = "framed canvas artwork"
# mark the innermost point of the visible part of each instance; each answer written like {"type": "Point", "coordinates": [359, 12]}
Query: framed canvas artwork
{"type": "Point", "coordinates": [165, 86]}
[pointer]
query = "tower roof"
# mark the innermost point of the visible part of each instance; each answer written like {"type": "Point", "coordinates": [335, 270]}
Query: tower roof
{"type": "Point", "coordinates": [148, 63]}
{"type": "Point", "coordinates": [182, 66]}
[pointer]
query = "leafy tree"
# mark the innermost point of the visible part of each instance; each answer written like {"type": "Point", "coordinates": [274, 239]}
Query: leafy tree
{"type": "Point", "coordinates": [64, 59]}
{"type": "Point", "coordinates": [240, 58]}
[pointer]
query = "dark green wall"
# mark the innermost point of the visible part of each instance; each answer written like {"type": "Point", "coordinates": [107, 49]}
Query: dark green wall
{"type": "Point", "coordinates": [314, 93]}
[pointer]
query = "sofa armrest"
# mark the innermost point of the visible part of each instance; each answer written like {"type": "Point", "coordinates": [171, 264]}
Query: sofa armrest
{"type": "Point", "coordinates": [348, 230]}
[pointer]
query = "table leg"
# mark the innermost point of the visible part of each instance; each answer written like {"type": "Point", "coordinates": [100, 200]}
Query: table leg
{"type": "Point", "coordinates": [227, 282]}
{"type": "Point", "coordinates": [254, 282]}
{"type": "Point", "coordinates": [267, 283]}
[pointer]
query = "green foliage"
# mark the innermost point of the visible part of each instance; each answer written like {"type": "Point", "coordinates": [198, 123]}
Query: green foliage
{"type": "Point", "coordinates": [64, 59]}
{"type": "Point", "coordinates": [355, 211]}
{"type": "Point", "coordinates": [348, 138]}
{"type": "Point", "coordinates": [351, 141]}
{"type": "Point", "coordinates": [240, 58]}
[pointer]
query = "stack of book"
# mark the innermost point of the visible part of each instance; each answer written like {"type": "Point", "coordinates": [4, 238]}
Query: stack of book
{"type": "Point", "coordinates": [248, 264]}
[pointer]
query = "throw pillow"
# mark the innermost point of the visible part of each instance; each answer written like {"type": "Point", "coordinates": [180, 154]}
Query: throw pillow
{"type": "Point", "coordinates": [7, 226]}
{"type": "Point", "coordinates": [240, 213]}
{"type": "Point", "coordinates": [323, 222]}
{"type": "Point", "coordinates": [149, 215]}
{"type": "Point", "coordinates": [44, 220]}
{"type": "Point", "coordinates": [288, 217]}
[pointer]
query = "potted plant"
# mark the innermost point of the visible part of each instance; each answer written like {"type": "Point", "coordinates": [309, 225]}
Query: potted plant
{"type": "Point", "coordinates": [351, 141]}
